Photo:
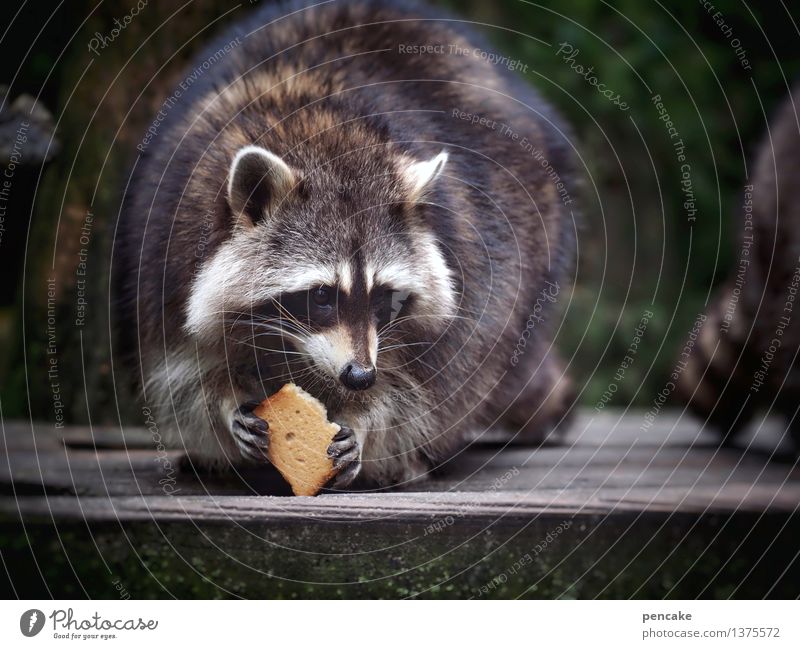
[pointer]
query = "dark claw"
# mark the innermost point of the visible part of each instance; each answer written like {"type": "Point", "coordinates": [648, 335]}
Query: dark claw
{"type": "Point", "coordinates": [344, 478]}
{"type": "Point", "coordinates": [344, 448]}
{"type": "Point", "coordinates": [250, 433]}
{"type": "Point", "coordinates": [346, 455]}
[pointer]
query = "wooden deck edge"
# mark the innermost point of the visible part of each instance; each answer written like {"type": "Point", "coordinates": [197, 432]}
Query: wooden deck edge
{"type": "Point", "coordinates": [409, 507]}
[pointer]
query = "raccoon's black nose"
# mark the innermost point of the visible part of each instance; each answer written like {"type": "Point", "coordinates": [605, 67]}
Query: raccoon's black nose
{"type": "Point", "coordinates": [357, 376]}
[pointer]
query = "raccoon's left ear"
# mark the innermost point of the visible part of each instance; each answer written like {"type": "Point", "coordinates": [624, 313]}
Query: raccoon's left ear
{"type": "Point", "coordinates": [257, 182]}
{"type": "Point", "coordinates": [420, 176]}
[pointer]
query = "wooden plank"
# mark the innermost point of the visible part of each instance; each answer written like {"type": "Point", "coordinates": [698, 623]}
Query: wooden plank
{"type": "Point", "coordinates": [664, 512]}
{"type": "Point", "coordinates": [603, 463]}
{"type": "Point", "coordinates": [360, 551]}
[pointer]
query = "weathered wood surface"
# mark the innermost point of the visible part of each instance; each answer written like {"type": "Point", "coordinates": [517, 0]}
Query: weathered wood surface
{"type": "Point", "coordinates": [661, 513]}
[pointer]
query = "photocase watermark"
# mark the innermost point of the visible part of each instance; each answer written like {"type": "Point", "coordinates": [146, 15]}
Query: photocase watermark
{"type": "Point", "coordinates": [775, 344]}
{"type": "Point", "coordinates": [203, 240]}
{"type": "Point", "coordinates": [548, 295]}
{"type": "Point", "coordinates": [85, 239]}
{"type": "Point", "coordinates": [537, 154]}
{"type": "Point", "coordinates": [515, 65]}
{"type": "Point", "coordinates": [168, 481]}
{"type": "Point", "coordinates": [569, 55]}
{"type": "Point", "coordinates": [687, 187]}
{"type": "Point", "coordinates": [8, 173]}
{"type": "Point", "coordinates": [719, 18]}
{"type": "Point", "coordinates": [31, 622]}
{"type": "Point", "coordinates": [102, 41]}
{"type": "Point", "coordinates": [183, 87]}
{"type": "Point", "coordinates": [66, 626]}
{"type": "Point", "coordinates": [454, 49]}
{"type": "Point", "coordinates": [744, 261]}
{"type": "Point", "coordinates": [525, 560]}
{"type": "Point", "coordinates": [504, 130]}
{"type": "Point", "coordinates": [123, 592]}
{"type": "Point", "coordinates": [446, 521]}
{"type": "Point", "coordinates": [350, 184]}
{"type": "Point", "coordinates": [626, 362]}
{"type": "Point", "coordinates": [51, 354]}
{"type": "Point", "coordinates": [661, 398]}
{"type": "Point", "coordinates": [476, 119]}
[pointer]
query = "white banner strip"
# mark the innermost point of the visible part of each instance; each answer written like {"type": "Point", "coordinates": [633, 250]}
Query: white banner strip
{"type": "Point", "coordinates": [401, 624]}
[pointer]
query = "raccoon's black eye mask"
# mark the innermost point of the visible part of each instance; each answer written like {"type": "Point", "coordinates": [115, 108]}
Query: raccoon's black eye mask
{"type": "Point", "coordinates": [326, 306]}
{"type": "Point", "coordinates": [316, 308]}
{"type": "Point", "coordinates": [391, 304]}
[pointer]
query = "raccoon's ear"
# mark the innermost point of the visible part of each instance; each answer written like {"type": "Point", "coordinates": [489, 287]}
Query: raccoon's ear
{"type": "Point", "coordinates": [257, 182]}
{"type": "Point", "coordinates": [419, 176]}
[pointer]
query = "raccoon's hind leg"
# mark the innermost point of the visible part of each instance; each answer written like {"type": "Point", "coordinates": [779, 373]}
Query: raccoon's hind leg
{"type": "Point", "coordinates": [743, 360]}
{"type": "Point", "coordinates": [716, 377]}
{"type": "Point", "coordinates": [534, 400]}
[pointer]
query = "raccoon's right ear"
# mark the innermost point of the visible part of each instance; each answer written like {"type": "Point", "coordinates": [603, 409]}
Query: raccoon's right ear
{"type": "Point", "coordinates": [419, 176]}
{"type": "Point", "coordinates": [257, 182]}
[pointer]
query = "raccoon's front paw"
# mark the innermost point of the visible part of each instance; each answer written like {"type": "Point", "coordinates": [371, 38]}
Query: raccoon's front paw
{"type": "Point", "coordinates": [251, 433]}
{"type": "Point", "coordinates": [346, 454]}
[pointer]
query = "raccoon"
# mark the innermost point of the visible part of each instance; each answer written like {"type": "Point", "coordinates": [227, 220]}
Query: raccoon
{"type": "Point", "coordinates": [347, 198]}
{"type": "Point", "coordinates": [745, 358]}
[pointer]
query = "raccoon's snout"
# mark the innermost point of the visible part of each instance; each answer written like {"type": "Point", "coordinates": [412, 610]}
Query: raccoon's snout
{"type": "Point", "coordinates": [357, 376]}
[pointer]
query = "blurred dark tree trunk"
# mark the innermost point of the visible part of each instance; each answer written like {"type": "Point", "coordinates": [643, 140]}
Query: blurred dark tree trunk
{"type": "Point", "coordinates": [104, 101]}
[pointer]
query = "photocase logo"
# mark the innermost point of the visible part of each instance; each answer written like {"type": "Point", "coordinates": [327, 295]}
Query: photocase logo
{"type": "Point", "coordinates": [31, 622]}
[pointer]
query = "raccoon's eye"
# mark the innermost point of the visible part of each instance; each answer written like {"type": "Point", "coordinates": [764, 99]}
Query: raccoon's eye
{"type": "Point", "coordinates": [321, 296]}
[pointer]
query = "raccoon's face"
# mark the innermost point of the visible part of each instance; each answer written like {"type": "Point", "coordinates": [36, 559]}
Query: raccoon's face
{"type": "Point", "coordinates": [333, 271]}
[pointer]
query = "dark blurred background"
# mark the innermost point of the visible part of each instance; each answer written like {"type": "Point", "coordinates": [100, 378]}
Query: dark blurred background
{"type": "Point", "coordinates": [720, 69]}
